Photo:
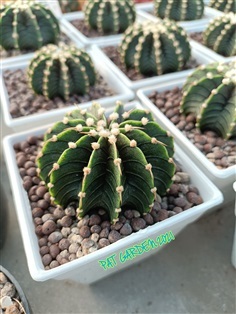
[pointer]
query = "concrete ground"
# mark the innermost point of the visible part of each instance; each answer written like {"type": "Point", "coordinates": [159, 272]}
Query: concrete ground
{"type": "Point", "coordinates": [193, 274]}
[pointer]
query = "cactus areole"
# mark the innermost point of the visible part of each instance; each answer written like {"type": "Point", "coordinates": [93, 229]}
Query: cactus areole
{"type": "Point", "coordinates": [210, 94]}
{"type": "Point", "coordinates": [111, 163]}
{"type": "Point", "coordinates": [179, 10]}
{"type": "Point", "coordinates": [61, 71]}
{"type": "Point", "coordinates": [27, 25]}
{"type": "Point", "coordinates": [155, 48]}
{"type": "Point", "coordinates": [109, 16]}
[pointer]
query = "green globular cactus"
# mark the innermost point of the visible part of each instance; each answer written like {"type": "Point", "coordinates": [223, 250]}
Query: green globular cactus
{"type": "Point", "coordinates": [109, 16]}
{"type": "Point", "coordinates": [225, 6]}
{"type": "Point", "coordinates": [154, 48]}
{"type": "Point", "coordinates": [210, 94]}
{"type": "Point", "coordinates": [179, 10]}
{"type": "Point", "coordinates": [220, 35]}
{"type": "Point", "coordinates": [27, 25]}
{"type": "Point", "coordinates": [111, 163]}
{"type": "Point", "coordinates": [61, 71]}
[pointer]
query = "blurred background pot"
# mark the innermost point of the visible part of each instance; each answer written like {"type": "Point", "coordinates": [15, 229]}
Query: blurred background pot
{"type": "Point", "coordinates": [13, 298]}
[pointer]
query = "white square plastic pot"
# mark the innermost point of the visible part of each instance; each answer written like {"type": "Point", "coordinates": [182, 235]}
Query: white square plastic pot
{"type": "Point", "coordinates": [135, 85]}
{"type": "Point", "coordinates": [87, 41]}
{"type": "Point", "coordinates": [222, 178]}
{"type": "Point", "coordinates": [146, 12]}
{"type": "Point", "coordinates": [87, 268]}
{"type": "Point", "coordinates": [122, 93]}
{"type": "Point", "coordinates": [234, 240]}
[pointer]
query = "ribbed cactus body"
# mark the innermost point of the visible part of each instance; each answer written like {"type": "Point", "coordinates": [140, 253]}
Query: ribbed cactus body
{"type": "Point", "coordinates": [27, 25]}
{"type": "Point", "coordinates": [111, 163]}
{"type": "Point", "coordinates": [220, 35]}
{"type": "Point", "coordinates": [154, 48]}
{"type": "Point", "coordinates": [210, 94]}
{"type": "Point", "coordinates": [109, 16]}
{"type": "Point", "coordinates": [179, 10]}
{"type": "Point", "coordinates": [61, 71]}
{"type": "Point", "coordinates": [225, 6]}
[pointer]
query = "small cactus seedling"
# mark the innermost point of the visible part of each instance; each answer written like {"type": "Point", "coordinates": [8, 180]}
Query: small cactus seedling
{"type": "Point", "coordinates": [109, 16]}
{"type": "Point", "coordinates": [179, 10]}
{"type": "Point", "coordinates": [220, 35]}
{"type": "Point", "coordinates": [154, 48]}
{"type": "Point", "coordinates": [111, 163]}
{"type": "Point", "coordinates": [225, 6]}
{"type": "Point", "coordinates": [27, 25]}
{"type": "Point", "coordinates": [210, 94]}
{"type": "Point", "coordinates": [61, 71]}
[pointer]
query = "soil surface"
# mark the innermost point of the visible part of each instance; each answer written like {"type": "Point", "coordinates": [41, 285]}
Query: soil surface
{"type": "Point", "coordinates": [10, 302]}
{"type": "Point", "coordinates": [197, 36]}
{"type": "Point", "coordinates": [16, 52]}
{"type": "Point", "coordinates": [219, 151]}
{"type": "Point", "coordinates": [86, 30]}
{"type": "Point", "coordinates": [24, 102]}
{"type": "Point", "coordinates": [63, 238]}
{"type": "Point", "coordinates": [113, 53]}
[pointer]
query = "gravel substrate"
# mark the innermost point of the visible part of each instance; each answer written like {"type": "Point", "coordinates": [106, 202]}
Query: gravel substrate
{"type": "Point", "coordinates": [10, 302]}
{"type": "Point", "coordinates": [219, 151]}
{"type": "Point", "coordinates": [63, 238]}
{"type": "Point", "coordinates": [197, 36]}
{"type": "Point", "coordinates": [113, 53]}
{"type": "Point", "coordinates": [16, 52]}
{"type": "Point", "coordinates": [24, 102]}
{"type": "Point", "coordinates": [86, 30]}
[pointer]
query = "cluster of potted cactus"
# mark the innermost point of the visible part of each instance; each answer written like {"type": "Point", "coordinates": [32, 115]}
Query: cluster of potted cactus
{"type": "Point", "coordinates": [121, 165]}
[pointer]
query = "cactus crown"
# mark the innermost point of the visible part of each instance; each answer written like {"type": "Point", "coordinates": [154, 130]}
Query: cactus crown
{"type": "Point", "coordinates": [154, 48]}
{"type": "Point", "coordinates": [210, 94]}
{"type": "Point", "coordinates": [61, 71]}
{"type": "Point", "coordinates": [109, 163]}
{"type": "Point", "coordinates": [220, 35]}
{"type": "Point", "coordinates": [27, 25]}
{"type": "Point", "coordinates": [179, 10]}
{"type": "Point", "coordinates": [109, 16]}
{"type": "Point", "coordinates": [225, 6]}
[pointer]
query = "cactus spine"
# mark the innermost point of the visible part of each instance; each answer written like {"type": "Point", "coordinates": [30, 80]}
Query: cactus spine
{"type": "Point", "coordinates": [179, 10]}
{"type": "Point", "coordinates": [26, 25]}
{"type": "Point", "coordinates": [225, 6]}
{"type": "Point", "coordinates": [109, 16]}
{"type": "Point", "coordinates": [154, 48]}
{"type": "Point", "coordinates": [111, 163]}
{"type": "Point", "coordinates": [220, 35]}
{"type": "Point", "coordinates": [61, 71]}
{"type": "Point", "coordinates": [210, 94]}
